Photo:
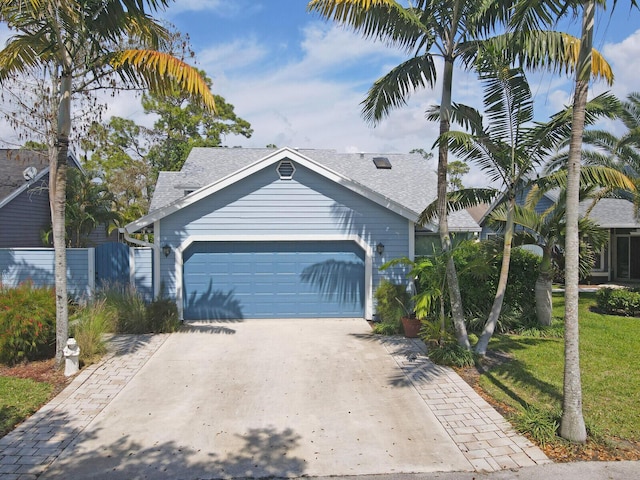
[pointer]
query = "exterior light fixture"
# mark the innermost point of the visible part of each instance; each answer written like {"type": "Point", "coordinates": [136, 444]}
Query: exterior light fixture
{"type": "Point", "coordinates": [380, 248]}
{"type": "Point", "coordinates": [166, 249]}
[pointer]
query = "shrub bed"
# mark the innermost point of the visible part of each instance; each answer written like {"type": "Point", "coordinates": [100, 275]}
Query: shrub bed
{"type": "Point", "coordinates": [389, 300]}
{"type": "Point", "coordinates": [619, 301]}
{"type": "Point", "coordinates": [27, 323]}
{"type": "Point", "coordinates": [478, 266]}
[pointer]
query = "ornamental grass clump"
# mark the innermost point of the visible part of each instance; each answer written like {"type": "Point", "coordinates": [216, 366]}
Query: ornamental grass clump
{"type": "Point", "coordinates": [89, 327]}
{"type": "Point", "coordinates": [452, 354]}
{"type": "Point", "coordinates": [130, 305]}
{"type": "Point", "coordinates": [162, 316]}
{"type": "Point", "coordinates": [541, 425]}
{"type": "Point", "coordinates": [27, 323]}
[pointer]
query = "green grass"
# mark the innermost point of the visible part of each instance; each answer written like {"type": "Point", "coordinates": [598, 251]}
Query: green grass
{"type": "Point", "coordinates": [20, 398]}
{"type": "Point", "coordinates": [608, 357]}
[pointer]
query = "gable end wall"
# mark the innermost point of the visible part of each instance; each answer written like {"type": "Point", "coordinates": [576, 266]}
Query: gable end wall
{"type": "Point", "coordinates": [264, 207]}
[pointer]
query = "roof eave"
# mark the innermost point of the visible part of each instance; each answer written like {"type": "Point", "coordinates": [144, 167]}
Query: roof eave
{"type": "Point", "coordinates": [6, 200]}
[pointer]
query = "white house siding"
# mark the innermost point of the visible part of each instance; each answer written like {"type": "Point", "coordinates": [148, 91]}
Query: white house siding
{"type": "Point", "coordinates": [263, 207]}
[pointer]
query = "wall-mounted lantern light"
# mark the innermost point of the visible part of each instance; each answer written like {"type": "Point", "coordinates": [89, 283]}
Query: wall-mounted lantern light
{"type": "Point", "coordinates": [380, 248]}
{"type": "Point", "coordinates": [166, 249]}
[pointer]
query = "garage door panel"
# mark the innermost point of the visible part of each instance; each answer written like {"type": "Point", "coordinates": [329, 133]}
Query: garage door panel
{"type": "Point", "coordinates": [274, 279]}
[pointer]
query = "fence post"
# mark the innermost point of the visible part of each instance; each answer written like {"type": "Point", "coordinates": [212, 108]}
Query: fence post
{"type": "Point", "coordinates": [91, 270]}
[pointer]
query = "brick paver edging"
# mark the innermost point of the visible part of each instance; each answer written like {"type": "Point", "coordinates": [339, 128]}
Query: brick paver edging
{"type": "Point", "coordinates": [485, 438]}
{"type": "Point", "coordinates": [28, 450]}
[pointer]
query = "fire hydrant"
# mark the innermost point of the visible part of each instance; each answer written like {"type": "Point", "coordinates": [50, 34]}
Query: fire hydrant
{"type": "Point", "coordinates": [71, 354]}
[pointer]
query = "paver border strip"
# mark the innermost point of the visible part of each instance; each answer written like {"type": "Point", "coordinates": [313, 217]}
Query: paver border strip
{"type": "Point", "coordinates": [28, 450]}
{"type": "Point", "coordinates": [486, 439]}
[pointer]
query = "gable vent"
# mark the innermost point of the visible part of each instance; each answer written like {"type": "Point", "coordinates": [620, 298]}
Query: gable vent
{"type": "Point", "coordinates": [286, 169]}
{"type": "Point", "coordinates": [382, 163]}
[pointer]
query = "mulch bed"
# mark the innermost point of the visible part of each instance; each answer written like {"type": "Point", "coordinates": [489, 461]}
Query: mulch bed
{"type": "Point", "coordinates": [40, 371]}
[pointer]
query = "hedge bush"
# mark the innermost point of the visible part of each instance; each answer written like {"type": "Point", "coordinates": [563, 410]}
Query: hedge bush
{"type": "Point", "coordinates": [619, 301]}
{"type": "Point", "coordinates": [27, 323]}
{"type": "Point", "coordinates": [478, 265]}
{"type": "Point", "coordinates": [389, 300]}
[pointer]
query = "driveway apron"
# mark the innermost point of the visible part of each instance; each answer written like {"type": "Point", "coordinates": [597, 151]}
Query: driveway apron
{"type": "Point", "coordinates": [258, 398]}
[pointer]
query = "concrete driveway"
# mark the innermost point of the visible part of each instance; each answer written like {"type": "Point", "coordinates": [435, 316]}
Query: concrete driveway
{"type": "Point", "coordinates": [264, 398]}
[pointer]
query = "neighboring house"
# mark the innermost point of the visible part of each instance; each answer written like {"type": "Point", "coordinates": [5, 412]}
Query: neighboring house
{"type": "Point", "coordinates": [260, 233]}
{"type": "Point", "coordinates": [620, 259]}
{"type": "Point", "coordinates": [24, 199]}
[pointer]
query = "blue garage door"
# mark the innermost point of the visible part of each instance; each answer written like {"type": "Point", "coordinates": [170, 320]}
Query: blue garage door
{"type": "Point", "coordinates": [232, 280]}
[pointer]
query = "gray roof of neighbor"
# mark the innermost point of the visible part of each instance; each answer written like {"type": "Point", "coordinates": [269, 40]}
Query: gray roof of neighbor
{"type": "Point", "coordinates": [410, 182]}
{"type": "Point", "coordinates": [13, 163]}
{"type": "Point", "coordinates": [612, 213]}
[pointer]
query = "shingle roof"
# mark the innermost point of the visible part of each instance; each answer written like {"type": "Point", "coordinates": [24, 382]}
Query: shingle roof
{"type": "Point", "coordinates": [410, 183]}
{"type": "Point", "coordinates": [612, 213]}
{"type": "Point", "coordinates": [13, 163]}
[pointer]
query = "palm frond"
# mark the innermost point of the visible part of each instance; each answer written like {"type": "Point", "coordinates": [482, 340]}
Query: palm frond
{"type": "Point", "coordinates": [591, 176]}
{"type": "Point", "coordinates": [392, 90]}
{"type": "Point", "coordinates": [160, 72]}
{"type": "Point", "coordinates": [508, 101]}
{"type": "Point", "coordinates": [547, 50]}
{"type": "Point", "coordinates": [459, 200]}
{"type": "Point", "coordinates": [385, 20]}
{"type": "Point", "coordinates": [22, 53]}
{"type": "Point", "coordinates": [467, 117]}
{"type": "Point", "coordinates": [557, 130]}
{"type": "Point", "coordinates": [523, 216]}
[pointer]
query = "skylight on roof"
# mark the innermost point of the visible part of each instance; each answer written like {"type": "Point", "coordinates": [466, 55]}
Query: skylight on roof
{"type": "Point", "coordinates": [382, 163]}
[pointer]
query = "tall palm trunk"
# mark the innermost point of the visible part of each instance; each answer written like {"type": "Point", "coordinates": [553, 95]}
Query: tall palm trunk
{"type": "Point", "coordinates": [492, 321]}
{"type": "Point", "coordinates": [443, 224]}
{"type": "Point", "coordinates": [572, 425]}
{"type": "Point", "coordinates": [57, 196]}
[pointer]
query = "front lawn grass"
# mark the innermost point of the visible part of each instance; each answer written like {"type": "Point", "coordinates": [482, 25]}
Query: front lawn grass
{"type": "Point", "coordinates": [20, 398]}
{"type": "Point", "coordinates": [610, 379]}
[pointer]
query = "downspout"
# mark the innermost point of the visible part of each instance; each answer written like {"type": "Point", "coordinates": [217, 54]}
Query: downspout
{"type": "Point", "coordinates": [135, 241]}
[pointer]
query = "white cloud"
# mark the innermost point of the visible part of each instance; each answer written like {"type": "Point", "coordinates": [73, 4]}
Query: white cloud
{"type": "Point", "coordinates": [314, 101]}
{"type": "Point", "coordinates": [232, 56]}
{"type": "Point", "coordinates": [623, 58]}
{"type": "Point", "coordinates": [222, 8]}
{"type": "Point", "coordinates": [195, 5]}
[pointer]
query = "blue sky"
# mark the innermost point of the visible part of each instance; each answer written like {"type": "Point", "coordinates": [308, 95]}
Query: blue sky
{"type": "Point", "coordinates": [299, 80]}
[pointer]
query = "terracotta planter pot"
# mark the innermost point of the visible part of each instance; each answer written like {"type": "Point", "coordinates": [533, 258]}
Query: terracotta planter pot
{"type": "Point", "coordinates": [411, 327]}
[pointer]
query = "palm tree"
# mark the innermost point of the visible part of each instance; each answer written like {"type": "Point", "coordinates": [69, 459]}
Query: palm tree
{"type": "Point", "coordinates": [506, 150]}
{"type": "Point", "coordinates": [547, 229]}
{"type": "Point", "coordinates": [428, 30]}
{"type": "Point", "coordinates": [532, 13]}
{"type": "Point", "coordinates": [80, 44]}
